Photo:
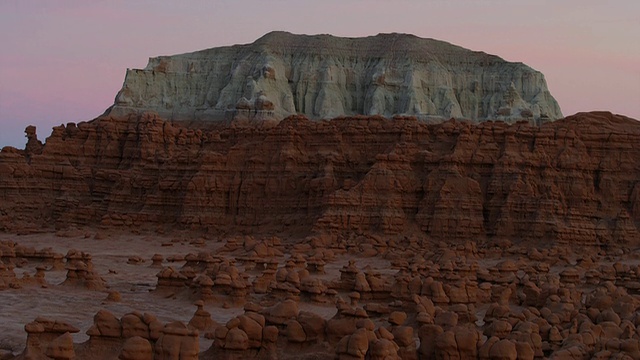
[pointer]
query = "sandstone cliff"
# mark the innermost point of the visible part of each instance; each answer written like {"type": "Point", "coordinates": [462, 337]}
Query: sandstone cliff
{"type": "Point", "coordinates": [323, 76]}
{"type": "Point", "coordinates": [571, 181]}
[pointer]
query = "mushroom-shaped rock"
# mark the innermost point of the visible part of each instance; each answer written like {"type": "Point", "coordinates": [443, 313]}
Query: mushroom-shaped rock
{"type": "Point", "coordinates": [361, 283]}
{"type": "Point", "coordinates": [525, 351]}
{"type": "Point", "coordinates": [354, 296]}
{"type": "Point", "coordinates": [105, 324]}
{"type": "Point", "coordinates": [383, 349]}
{"type": "Point", "coordinates": [365, 324]}
{"type": "Point", "coordinates": [133, 325]}
{"type": "Point", "coordinates": [219, 335]}
{"type": "Point", "coordinates": [424, 304]}
{"type": "Point", "coordinates": [428, 335]}
{"type": "Point", "coordinates": [485, 350]}
{"type": "Point", "coordinates": [135, 260]}
{"type": "Point", "coordinates": [446, 346]}
{"type": "Point", "coordinates": [61, 348]}
{"type": "Point", "coordinates": [609, 315]}
{"type": "Point", "coordinates": [270, 334]}
{"type": "Point", "coordinates": [578, 351]}
{"type": "Point", "coordinates": [236, 339]}
{"type": "Point", "coordinates": [156, 260]}
{"type": "Point", "coordinates": [136, 348]}
{"type": "Point", "coordinates": [383, 333]}
{"type": "Point", "coordinates": [507, 266]}
{"type": "Point", "coordinates": [252, 324]}
{"type": "Point", "coordinates": [113, 296]}
{"type": "Point", "coordinates": [201, 319]}
{"type": "Point", "coordinates": [41, 332]}
{"type": "Point", "coordinates": [447, 319]}
{"type": "Point", "coordinates": [498, 328]}
{"type": "Point", "coordinates": [397, 317]}
{"type": "Point", "coordinates": [294, 332]}
{"type": "Point", "coordinates": [252, 307]}
{"type": "Point", "coordinates": [555, 336]}
{"type": "Point", "coordinates": [504, 350]}
{"type": "Point", "coordinates": [177, 342]}
{"type": "Point", "coordinates": [467, 341]}
{"type": "Point", "coordinates": [355, 345]}
{"type": "Point", "coordinates": [313, 324]}
{"type": "Point", "coordinates": [403, 336]}
{"type": "Point", "coordinates": [312, 286]}
{"type": "Point", "coordinates": [340, 326]}
{"type": "Point", "coordinates": [281, 312]}
{"type": "Point", "coordinates": [155, 326]}
{"type": "Point", "coordinates": [570, 276]}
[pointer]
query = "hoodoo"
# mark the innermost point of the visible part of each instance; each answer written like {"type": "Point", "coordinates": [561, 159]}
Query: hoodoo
{"type": "Point", "coordinates": [324, 76]}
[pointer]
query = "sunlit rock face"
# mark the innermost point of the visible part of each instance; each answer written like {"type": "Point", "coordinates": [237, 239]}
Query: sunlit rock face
{"type": "Point", "coordinates": [324, 76]}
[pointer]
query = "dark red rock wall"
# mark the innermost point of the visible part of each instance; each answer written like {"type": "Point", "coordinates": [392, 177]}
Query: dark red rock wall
{"type": "Point", "coordinates": [576, 180]}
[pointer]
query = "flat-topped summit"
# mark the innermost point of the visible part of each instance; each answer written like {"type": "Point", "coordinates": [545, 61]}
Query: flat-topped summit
{"type": "Point", "coordinates": [381, 45]}
{"type": "Point", "coordinates": [324, 76]}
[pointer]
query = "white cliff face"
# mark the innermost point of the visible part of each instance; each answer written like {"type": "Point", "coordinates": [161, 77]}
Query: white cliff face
{"type": "Point", "coordinates": [323, 76]}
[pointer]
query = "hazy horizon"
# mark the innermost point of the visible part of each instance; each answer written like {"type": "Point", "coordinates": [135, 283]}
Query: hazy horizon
{"type": "Point", "coordinates": [65, 62]}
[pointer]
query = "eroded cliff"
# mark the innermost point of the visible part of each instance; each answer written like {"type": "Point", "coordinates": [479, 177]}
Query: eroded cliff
{"type": "Point", "coordinates": [323, 76]}
{"type": "Point", "coordinates": [570, 181]}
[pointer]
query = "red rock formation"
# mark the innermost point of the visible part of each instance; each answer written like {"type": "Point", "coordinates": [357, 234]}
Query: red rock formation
{"type": "Point", "coordinates": [42, 333]}
{"type": "Point", "coordinates": [571, 181]}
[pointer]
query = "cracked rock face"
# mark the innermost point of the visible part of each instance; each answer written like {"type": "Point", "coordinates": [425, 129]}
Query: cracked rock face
{"type": "Point", "coordinates": [573, 181]}
{"type": "Point", "coordinates": [323, 76]}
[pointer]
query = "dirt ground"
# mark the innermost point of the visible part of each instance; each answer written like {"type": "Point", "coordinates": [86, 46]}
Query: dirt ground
{"type": "Point", "coordinates": [77, 306]}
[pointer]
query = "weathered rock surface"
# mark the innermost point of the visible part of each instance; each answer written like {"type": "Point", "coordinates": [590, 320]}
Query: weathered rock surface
{"type": "Point", "coordinates": [570, 181]}
{"type": "Point", "coordinates": [323, 76]}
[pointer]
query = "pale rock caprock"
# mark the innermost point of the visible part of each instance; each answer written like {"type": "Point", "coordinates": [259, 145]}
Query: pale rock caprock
{"type": "Point", "coordinates": [323, 76]}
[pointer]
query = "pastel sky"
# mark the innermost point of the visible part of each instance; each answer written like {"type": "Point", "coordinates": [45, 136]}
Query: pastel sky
{"type": "Point", "coordinates": [64, 61]}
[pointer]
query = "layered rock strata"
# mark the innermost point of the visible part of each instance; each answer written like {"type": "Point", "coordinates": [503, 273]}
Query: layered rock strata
{"type": "Point", "coordinates": [571, 181]}
{"type": "Point", "coordinates": [323, 76]}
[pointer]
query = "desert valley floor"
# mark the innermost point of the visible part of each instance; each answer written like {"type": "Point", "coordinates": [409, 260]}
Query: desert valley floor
{"type": "Point", "coordinates": [499, 301]}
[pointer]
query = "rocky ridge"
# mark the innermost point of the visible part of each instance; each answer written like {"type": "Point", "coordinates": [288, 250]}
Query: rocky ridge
{"type": "Point", "coordinates": [323, 76]}
{"type": "Point", "coordinates": [573, 181]}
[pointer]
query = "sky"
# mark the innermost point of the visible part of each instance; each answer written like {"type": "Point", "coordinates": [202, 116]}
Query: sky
{"type": "Point", "coordinates": [64, 61]}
